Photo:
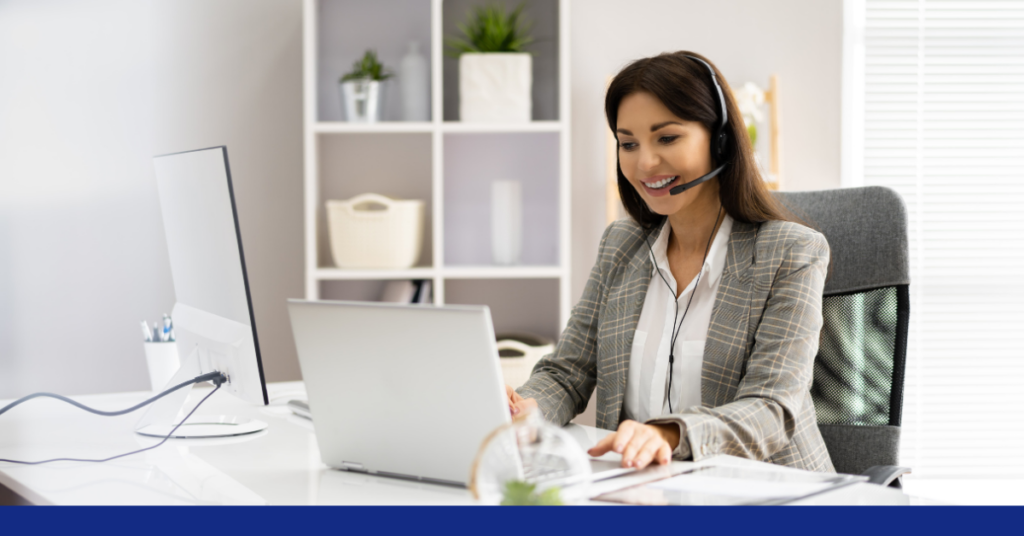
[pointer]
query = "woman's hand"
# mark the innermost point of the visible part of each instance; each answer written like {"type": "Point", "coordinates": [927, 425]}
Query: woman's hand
{"type": "Point", "coordinates": [640, 444]}
{"type": "Point", "coordinates": [518, 404]}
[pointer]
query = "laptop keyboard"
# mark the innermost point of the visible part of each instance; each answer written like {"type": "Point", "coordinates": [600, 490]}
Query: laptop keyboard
{"type": "Point", "coordinates": [542, 467]}
{"type": "Point", "coordinates": [536, 467]}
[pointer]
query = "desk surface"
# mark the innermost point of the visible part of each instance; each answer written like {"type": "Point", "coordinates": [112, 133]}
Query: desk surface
{"type": "Point", "coordinates": [280, 465]}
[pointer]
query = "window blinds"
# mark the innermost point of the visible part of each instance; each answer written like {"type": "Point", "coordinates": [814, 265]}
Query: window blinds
{"type": "Point", "coordinates": [934, 108]}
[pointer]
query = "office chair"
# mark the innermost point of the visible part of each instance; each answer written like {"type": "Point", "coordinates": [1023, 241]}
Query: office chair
{"type": "Point", "coordinates": [858, 372]}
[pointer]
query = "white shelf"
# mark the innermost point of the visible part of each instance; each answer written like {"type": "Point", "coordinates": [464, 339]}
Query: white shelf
{"type": "Point", "coordinates": [335, 274]}
{"type": "Point", "coordinates": [342, 127]}
{"type": "Point", "coordinates": [502, 272]}
{"type": "Point", "coordinates": [440, 161]}
{"type": "Point", "coordinates": [533, 126]}
{"type": "Point", "coordinates": [448, 272]}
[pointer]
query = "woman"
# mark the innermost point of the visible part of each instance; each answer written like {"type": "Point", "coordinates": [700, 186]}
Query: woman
{"type": "Point", "coordinates": [699, 323]}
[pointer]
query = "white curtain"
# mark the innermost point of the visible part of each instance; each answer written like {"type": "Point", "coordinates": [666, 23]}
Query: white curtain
{"type": "Point", "coordinates": [934, 108]}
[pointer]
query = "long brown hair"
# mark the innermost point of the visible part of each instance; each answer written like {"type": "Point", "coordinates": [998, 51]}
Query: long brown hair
{"type": "Point", "coordinates": [684, 86]}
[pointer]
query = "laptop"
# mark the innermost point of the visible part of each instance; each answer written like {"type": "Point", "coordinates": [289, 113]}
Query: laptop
{"type": "Point", "coordinates": [409, 391]}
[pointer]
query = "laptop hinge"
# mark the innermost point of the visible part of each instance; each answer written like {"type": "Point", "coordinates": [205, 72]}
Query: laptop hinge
{"type": "Point", "coordinates": [353, 466]}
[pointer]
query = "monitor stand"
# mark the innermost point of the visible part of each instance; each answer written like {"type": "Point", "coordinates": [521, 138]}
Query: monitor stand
{"type": "Point", "coordinates": [167, 412]}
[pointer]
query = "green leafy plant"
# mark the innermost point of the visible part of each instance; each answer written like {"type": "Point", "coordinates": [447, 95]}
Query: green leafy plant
{"type": "Point", "coordinates": [367, 67]}
{"type": "Point", "coordinates": [519, 493]}
{"type": "Point", "coordinates": [492, 29]}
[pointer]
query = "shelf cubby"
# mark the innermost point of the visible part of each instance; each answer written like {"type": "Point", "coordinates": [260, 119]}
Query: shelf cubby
{"type": "Point", "coordinates": [352, 290]}
{"type": "Point", "coordinates": [546, 59]}
{"type": "Point", "coordinates": [347, 28]}
{"type": "Point", "coordinates": [517, 305]}
{"type": "Point", "coordinates": [471, 163]}
{"type": "Point", "coordinates": [396, 165]}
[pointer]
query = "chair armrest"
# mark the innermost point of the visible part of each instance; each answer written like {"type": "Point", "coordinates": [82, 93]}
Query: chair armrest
{"type": "Point", "coordinates": [884, 475]}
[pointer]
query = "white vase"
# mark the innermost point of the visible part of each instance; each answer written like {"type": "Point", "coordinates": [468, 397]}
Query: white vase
{"type": "Point", "coordinates": [414, 79]}
{"type": "Point", "coordinates": [495, 87]}
{"type": "Point", "coordinates": [506, 222]}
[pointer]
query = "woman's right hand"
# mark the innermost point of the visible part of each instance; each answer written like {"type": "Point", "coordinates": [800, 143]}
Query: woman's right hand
{"type": "Point", "coordinates": [518, 404]}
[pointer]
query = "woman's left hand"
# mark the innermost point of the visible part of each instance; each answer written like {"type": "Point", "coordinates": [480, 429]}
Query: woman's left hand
{"type": "Point", "coordinates": [640, 444]}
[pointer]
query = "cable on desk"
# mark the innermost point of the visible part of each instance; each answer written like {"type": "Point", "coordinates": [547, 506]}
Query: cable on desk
{"type": "Point", "coordinates": [162, 441]}
{"type": "Point", "coordinates": [216, 377]}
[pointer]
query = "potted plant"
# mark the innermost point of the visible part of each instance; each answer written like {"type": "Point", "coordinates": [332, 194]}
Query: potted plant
{"type": "Point", "coordinates": [362, 89]}
{"type": "Point", "coordinates": [495, 73]}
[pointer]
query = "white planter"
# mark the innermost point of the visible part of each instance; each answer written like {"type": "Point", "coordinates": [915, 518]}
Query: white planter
{"type": "Point", "coordinates": [363, 238]}
{"type": "Point", "coordinates": [495, 87]}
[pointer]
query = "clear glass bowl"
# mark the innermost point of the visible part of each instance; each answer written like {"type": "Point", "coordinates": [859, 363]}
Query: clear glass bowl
{"type": "Point", "coordinates": [532, 451]}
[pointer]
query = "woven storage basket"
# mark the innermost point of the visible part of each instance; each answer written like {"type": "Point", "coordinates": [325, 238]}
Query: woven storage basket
{"type": "Point", "coordinates": [363, 238]}
{"type": "Point", "coordinates": [516, 370]}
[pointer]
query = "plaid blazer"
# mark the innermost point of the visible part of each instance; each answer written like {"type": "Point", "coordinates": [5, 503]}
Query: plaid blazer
{"type": "Point", "coordinates": [758, 358]}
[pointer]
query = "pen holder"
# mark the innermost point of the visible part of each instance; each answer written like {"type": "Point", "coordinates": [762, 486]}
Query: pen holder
{"type": "Point", "coordinates": [162, 361]}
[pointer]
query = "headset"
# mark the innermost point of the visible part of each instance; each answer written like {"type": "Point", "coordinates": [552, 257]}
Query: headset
{"type": "Point", "coordinates": [719, 139]}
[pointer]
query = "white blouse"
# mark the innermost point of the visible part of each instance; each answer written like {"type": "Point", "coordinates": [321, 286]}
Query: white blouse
{"type": "Point", "coordinates": [648, 364]}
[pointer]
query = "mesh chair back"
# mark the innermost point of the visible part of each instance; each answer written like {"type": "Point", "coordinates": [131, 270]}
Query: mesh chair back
{"type": "Point", "coordinates": [856, 377]}
{"type": "Point", "coordinates": [858, 373]}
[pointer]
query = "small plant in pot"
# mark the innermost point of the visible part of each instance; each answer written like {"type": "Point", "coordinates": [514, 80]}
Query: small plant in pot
{"type": "Point", "coordinates": [495, 73]}
{"type": "Point", "coordinates": [362, 89]}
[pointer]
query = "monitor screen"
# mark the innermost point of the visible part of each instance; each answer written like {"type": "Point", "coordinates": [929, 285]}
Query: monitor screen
{"type": "Point", "coordinates": [213, 314]}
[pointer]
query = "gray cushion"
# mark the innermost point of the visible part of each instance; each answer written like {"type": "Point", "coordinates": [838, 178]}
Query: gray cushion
{"type": "Point", "coordinates": [853, 449]}
{"type": "Point", "coordinates": [866, 229]}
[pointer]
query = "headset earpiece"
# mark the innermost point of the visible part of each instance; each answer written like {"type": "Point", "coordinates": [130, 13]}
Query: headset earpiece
{"type": "Point", "coordinates": [719, 145]}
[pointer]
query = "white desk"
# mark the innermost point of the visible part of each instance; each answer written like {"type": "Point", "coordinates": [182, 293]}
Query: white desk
{"type": "Point", "coordinates": [280, 465]}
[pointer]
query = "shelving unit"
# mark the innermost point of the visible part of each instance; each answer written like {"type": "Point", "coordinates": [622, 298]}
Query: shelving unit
{"type": "Point", "coordinates": [447, 163]}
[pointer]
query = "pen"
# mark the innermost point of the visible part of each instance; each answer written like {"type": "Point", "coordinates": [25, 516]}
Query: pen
{"type": "Point", "coordinates": [145, 332]}
{"type": "Point", "coordinates": [156, 332]}
{"type": "Point", "coordinates": [165, 335]}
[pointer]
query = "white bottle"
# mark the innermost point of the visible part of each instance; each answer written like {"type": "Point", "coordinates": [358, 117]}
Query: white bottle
{"type": "Point", "coordinates": [414, 77]}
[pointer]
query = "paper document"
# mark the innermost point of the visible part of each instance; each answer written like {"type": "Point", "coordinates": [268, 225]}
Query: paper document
{"type": "Point", "coordinates": [733, 487]}
{"type": "Point", "coordinates": [721, 485]}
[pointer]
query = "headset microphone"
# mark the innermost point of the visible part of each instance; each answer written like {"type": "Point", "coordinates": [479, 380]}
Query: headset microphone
{"type": "Point", "coordinates": [718, 139]}
{"type": "Point", "coordinates": [676, 190]}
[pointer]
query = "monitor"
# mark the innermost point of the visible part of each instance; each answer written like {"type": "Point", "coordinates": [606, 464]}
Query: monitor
{"type": "Point", "coordinates": [214, 322]}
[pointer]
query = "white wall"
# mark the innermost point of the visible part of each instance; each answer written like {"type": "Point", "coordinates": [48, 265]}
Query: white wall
{"type": "Point", "coordinates": [89, 92]}
{"type": "Point", "coordinates": [82, 256]}
{"type": "Point", "coordinates": [748, 40]}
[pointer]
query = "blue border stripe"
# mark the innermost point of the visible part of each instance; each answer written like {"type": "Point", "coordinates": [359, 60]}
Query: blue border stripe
{"type": "Point", "coordinates": [489, 521]}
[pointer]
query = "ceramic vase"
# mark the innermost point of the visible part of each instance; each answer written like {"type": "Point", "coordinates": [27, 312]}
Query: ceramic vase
{"type": "Point", "coordinates": [414, 81]}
